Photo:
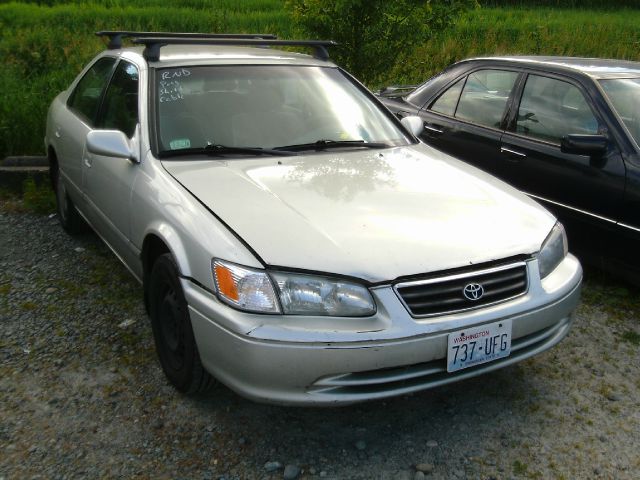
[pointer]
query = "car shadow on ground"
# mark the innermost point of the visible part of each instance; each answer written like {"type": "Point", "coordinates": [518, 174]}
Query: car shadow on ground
{"type": "Point", "coordinates": [428, 426]}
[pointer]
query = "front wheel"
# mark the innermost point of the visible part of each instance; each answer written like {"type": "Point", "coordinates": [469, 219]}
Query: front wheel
{"type": "Point", "coordinates": [172, 329]}
{"type": "Point", "coordinates": [69, 217]}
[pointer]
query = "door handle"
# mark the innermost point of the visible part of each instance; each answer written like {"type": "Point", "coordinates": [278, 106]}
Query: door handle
{"type": "Point", "coordinates": [432, 129]}
{"type": "Point", "coordinates": [57, 133]}
{"type": "Point", "coordinates": [514, 153]}
{"type": "Point", "coordinates": [87, 161]}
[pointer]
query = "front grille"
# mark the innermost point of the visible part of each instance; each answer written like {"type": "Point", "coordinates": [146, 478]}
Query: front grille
{"type": "Point", "coordinates": [442, 295]}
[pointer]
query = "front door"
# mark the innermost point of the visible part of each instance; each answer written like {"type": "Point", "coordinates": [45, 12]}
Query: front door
{"type": "Point", "coordinates": [585, 192]}
{"type": "Point", "coordinates": [107, 181]}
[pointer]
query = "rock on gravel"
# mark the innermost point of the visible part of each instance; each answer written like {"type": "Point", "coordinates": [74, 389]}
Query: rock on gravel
{"type": "Point", "coordinates": [291, 472]}
{"type": "Point", "coordinates": [272, 466]}
{"type": "Point", "coordinates": [424, 467]}
{"type": "Point", "coordinates": [361, 445]}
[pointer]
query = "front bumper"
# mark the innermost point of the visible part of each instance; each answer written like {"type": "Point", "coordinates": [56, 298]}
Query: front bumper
{"type": "Point", "coordinates": [328, 361]}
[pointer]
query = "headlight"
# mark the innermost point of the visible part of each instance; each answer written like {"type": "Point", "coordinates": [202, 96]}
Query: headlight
{"type": "Point", "coordinates": [553, 250]}
{"type": "Point", "coordinates": [311, 295]}
{"type": "Point", "coordinates": [256, 291]}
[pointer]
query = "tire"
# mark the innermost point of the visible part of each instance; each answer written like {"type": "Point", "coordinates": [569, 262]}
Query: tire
{"type": "Point", "coordinates": [68, 215]}
{"type": "Point", "coordinates": [172, 331]}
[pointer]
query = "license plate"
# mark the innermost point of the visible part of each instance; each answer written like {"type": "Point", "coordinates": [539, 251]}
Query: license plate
{"type": "Point", "coordinates": [473, 346]}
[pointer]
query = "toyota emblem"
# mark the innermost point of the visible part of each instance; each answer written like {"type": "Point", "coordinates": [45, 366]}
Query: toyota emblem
{"type": "Point", "coordinates": [473, 291]}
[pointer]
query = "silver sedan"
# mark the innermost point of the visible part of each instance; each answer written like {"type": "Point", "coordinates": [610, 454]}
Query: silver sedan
{"type": "Point", "coordinates": [293, 238]}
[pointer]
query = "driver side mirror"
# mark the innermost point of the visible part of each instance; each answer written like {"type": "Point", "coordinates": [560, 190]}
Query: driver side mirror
{"type": "Point", "coordinates": [414, 124]}
{"type": "Point", "coordinates": [592, 145]}
{"type": "Point", "coordinates": [110, 143]}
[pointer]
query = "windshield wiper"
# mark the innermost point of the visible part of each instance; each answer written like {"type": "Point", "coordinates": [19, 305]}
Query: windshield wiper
{"type": "Point", "coordinates": [327, 144]}
{"type": "Point", "coordinates": [215, 150]}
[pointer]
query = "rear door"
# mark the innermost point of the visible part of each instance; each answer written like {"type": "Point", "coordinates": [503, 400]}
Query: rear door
{"type": "Point", "coordinates": [467, 119]}
{"type": "Point", "coordinates": [77, 120]}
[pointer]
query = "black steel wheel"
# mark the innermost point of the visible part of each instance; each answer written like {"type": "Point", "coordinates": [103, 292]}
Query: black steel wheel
{"type": "Point", "coordinates": [172, 331]}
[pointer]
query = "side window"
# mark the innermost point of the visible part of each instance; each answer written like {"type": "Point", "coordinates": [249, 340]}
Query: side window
{"type": "Point", "coordinates": [551, 109]}
{"type": "Point", "coordinates": [484, 97]}
{"type": "Point", "coordinates": [446, 103]}
{"type": "Point", "coordinates": [120, 107]}
{"type": "Point", "coordinates": [85, 99]}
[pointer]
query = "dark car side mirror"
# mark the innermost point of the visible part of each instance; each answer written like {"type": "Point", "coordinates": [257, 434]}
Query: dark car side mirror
{"type": "Point", "coordinates": [592, 145]}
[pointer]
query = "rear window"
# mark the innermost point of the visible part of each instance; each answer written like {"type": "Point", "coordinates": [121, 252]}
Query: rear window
{"type": "Point", "coordinates": [624, 95]}
{"type": "Point", "coordinates": [85, 98]}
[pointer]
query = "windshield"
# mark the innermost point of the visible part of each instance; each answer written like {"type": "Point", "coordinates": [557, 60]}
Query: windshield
{"type": "Point", "coordinates": [266, 107]}
{"type": "Point", "coordinates": [624, 94]}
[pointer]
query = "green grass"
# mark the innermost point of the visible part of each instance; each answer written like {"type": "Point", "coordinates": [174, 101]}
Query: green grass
{"type": "Point", "coordinates": [618, 300]}
{"type": "Point", "coordinates": [527, 31]}
{"type": "Point", "coordinates": [45, 44]}
{"type": "Point", "coordinates": [34, 197]}
{"type": "Point", "coordinates": [632, 337]}
{"type": "Point", "coordinates": [603, 4]}
{"type": "Point", "coordinates": [246, 5]}
{"type": "Point", "coordinates": [38, 198]}
{"type": "Point", "coordinates": [43, 48]}
{"type": "Point", "coordinates": [519, 468]}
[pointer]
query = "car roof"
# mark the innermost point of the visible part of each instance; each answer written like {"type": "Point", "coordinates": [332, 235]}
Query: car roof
{"type": "Point", "coordinates": [593, 67]}
{"type": "Point", "coordinates": [182, 55]}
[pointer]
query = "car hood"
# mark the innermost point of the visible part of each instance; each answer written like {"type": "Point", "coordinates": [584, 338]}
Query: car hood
{"type": "Point", "coordinates": [372, 214]}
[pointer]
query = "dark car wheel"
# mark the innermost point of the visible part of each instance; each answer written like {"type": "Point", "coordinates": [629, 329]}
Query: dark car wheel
{"type": "Point", "coordinates": [69, 217]}
{"type": "Point", "coordinates": [172, 329]}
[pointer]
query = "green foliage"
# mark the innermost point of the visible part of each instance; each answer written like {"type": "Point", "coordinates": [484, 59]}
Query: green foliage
{"type": "Point", "coordinates": [44, 47]}
{"type": "Point", "coordinates": [604, 4]}
{"type": "Point", "coordinates": [38, 198]}
{"type": "Point", "coordinates": [246, 5]}
{"type": "Point", "coordinates": [45, 43]}
{"type": "Point", "coordinates": [525, 31]}
{"type": "Point", "coordinates": [618, 300]}
{"type": "Point", "coordinates": [373, 34]}
{"type": "Point", "coordinates": [519, 468]}
{"type": "Point", "coordinates": [632, 337]}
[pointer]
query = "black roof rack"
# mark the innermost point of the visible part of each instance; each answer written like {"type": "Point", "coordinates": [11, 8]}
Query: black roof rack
{"type": "Point", "coordinates": [153, 44]}
{"type": "Point", "coordinates": [116, 36]}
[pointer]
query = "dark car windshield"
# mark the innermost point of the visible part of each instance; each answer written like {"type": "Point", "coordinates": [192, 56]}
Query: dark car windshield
{"type": "Point", "coordinates": [266, 106]}
{"type": "Point", "coordinates": [624, 95]}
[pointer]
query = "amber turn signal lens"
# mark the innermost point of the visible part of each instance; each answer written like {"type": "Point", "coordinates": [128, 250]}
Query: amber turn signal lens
{"type": "Point", "coordinates": [226, 285]}
{"type": "Point", "coordinates": [244, 288]}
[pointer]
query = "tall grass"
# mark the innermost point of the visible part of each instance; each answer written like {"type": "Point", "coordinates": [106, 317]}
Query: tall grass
{"type": "Point", "coordinates": [44, 47]}
{"type": "Point", "coordinates": [44, 44]}
{"type": "Point", "coordinates": [600, 4]}
{"type": "Point", "coordinates": [526, 31]}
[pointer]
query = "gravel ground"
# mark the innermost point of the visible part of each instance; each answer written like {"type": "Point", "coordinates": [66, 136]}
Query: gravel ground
{"type": "Point", "coordinates": [82, 394]}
